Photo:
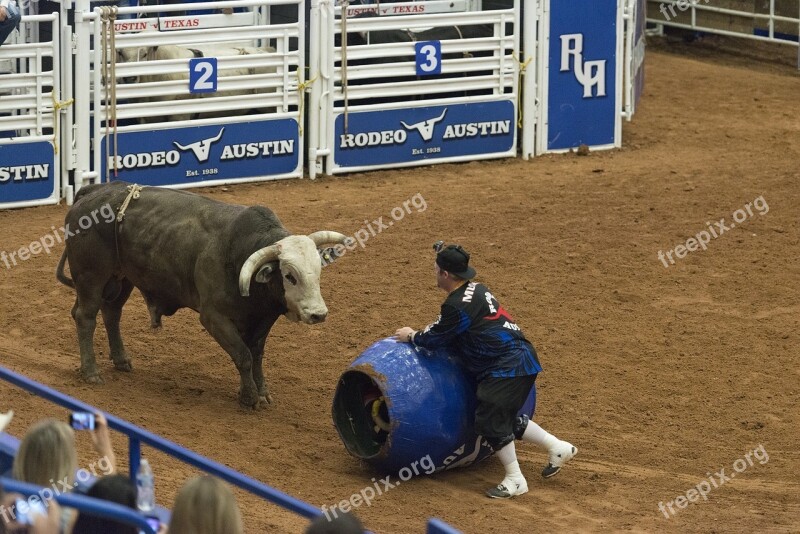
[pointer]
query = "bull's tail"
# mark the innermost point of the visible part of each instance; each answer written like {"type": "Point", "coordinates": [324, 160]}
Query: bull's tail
{"type": "Point", "coordinates": [63, 278]}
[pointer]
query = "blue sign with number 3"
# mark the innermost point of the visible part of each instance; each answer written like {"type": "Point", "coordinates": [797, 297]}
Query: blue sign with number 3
{"type": "Point", "coordinates": [203, 75]}
{"type": "Point", "coordinates": [429, 57]}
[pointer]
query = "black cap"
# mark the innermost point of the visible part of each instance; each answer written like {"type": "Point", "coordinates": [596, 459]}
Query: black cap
{"type": "Point", "coordinates": [455, 260]}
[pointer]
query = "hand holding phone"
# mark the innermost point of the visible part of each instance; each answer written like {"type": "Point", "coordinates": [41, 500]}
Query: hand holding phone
{"type": "Point", "coordinates": [82, 421]}
{"type": "Point", "coordinates": [32, 509]}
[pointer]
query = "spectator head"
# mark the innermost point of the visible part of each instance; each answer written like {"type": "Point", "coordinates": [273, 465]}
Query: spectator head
{"type": "Point", "coordinates": [342, 523]}
{"type": "Point", "coordinates": [46, 454]}
{"type": "Point", "coordinates": [205, 505]}
{"type": "Point", "coordinates": [114, 488]}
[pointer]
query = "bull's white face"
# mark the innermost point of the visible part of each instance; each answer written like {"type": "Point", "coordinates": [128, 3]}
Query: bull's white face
{"type": "Point", "coordinates": [132, 55]}
{"type": "Point", "coordinates": [300, 267]}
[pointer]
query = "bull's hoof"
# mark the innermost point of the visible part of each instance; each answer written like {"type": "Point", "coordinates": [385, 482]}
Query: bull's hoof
{"type": "Point", "coordinates": [94, 378]}
{"type": "Point", "coordinates": [125, 366]}
{"type": "Point", "coordinates": [257, 407]}
{"type": "Point", "coordinates": [248, 401]}
{"type": "Point", "coordinates": [263, 402]}
{"type": "Point", "coordinates": [263, 393]}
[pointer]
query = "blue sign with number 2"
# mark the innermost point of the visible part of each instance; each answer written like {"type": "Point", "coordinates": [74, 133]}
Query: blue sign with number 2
{"type": "Point", "coordinates": [203, 75]}
{"type": "Point", "coordinates": [429, 57]}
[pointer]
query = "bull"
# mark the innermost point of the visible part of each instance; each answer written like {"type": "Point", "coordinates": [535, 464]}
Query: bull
{"type": "Point", "coordinates": [238, 267]}
{"type": "Point", "coordinates": [172, 52]}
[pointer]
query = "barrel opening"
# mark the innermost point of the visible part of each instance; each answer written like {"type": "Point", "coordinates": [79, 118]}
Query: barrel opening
{"type": "Point", "coordinates": [361, 414]}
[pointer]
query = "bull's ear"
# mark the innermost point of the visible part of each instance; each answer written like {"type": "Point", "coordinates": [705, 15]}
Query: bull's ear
{"type": "Point", "coordinates": [262, 276]}
{"type": "Point", "coordinates": [328, 255]}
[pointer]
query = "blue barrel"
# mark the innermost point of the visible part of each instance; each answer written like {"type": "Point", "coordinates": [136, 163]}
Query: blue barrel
{"type": "Point", "coordinates": [397, 405]}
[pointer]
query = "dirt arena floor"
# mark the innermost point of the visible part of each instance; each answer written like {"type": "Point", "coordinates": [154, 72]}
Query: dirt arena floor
{"type": "Point", "coordinates": [662, 376]}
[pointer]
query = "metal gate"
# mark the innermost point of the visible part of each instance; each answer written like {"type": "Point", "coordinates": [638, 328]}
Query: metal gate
{"type": "Point", "coordinates": [189, 100]}
{"type": "Point", "coordinates": [30, 130]}
{"type": "Point", "coordinates": [580, 51]}
{"type": "Point", "coordinates": [440, 84]}
{"type": "Point", "coordinates": [213, 98]}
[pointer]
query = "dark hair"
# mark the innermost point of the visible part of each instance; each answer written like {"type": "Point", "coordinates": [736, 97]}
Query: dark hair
{"type": "Point", "coordinates": [114, 488]}
{"type": "Point", "coordinates": [341, 523]}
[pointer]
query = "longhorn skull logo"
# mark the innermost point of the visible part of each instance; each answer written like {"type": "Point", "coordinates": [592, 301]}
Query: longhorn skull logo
{"type": "Point", "coordinates": [425, 128]}
{"type": "Point", "coordinates": [202, 148]}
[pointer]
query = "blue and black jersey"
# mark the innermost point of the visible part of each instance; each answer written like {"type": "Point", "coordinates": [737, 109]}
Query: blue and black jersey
{"type": "Point", "coordinates": [483, 335]}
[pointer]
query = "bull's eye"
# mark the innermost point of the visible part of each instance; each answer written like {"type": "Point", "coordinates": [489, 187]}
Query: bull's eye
{"type": "Point", "coordinates": [292, 280]}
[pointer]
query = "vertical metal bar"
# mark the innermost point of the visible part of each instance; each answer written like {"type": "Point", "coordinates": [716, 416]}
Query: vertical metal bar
{"type": "Point", "coordinates": [327, 74]}
{"type": "Point", "coordinates": [66, 58]}
{"type": "Point", "coordinates": [529, 111]}
{"type": "Point", "coordinates": [772, 19]}
{"type": "Point", "coordinates": [305, 75]}
{"type": "Point", "coordinates": [543, 74]}
{"type": "Point", "coordinates": [134, 454]}
{"type": "Point", "coordinates": [316, 39]}
{"type": "Point", "coordinates": [81, 74]}
{"type": "Point", "coordinates": [58, 137]}
{"type": "Point", "coordinates": [629, 22]}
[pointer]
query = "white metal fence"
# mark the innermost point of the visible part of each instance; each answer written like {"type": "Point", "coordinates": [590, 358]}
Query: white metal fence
{"type": "Point", "coordinates": [169, 121]}
{"type": "Point", "coordinates": [776, 21]}
{"type": "Point", "coordinates": [207, 99]}
{"type": "Point", "coordinates": [30, 132]}
{"type": "Point", "coordinates": [375, 106]}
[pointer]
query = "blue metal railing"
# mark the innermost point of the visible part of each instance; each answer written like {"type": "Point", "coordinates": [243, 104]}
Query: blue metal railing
{"type": "Point", "coordinates": [137, 436]}
{"type": "Point", "coordinates": [437, 526]}
{"type": "Point", "coordinates": [82, 503]}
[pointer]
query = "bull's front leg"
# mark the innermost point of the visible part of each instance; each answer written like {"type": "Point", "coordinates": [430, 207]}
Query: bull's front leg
{"type": "Point", "coordinates": [256, 339]}
{"type": "Point", "coordinates": [257, 349]}
{"type": "Point", "coordinates": [227, 335]}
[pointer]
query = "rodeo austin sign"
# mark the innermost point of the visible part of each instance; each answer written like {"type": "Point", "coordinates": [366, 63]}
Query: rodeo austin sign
{"type": "Point", "coordinates": [225, 152]}
{"type": "Point", "coordinates": [27, 172]}
{"type": "Point", "coordinates": [413, 134]}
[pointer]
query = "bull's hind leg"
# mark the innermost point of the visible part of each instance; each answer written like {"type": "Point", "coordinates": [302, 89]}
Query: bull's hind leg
{"type": "Point", "coordinates": [116, 293]}
{"type": "Point", "coordinates": [87, 304]}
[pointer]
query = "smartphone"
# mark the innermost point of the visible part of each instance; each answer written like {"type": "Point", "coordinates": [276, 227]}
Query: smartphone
{"type": "Point", "coordinates": [33, 509]}
{"type": "Point", "coordinates": [82, 421]}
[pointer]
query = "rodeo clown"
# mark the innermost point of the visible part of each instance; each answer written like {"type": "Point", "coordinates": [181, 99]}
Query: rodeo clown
{"type": "Point", "coordinates": [493, 349]}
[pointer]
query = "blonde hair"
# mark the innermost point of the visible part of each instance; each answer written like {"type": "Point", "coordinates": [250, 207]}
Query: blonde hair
{"type": "Point", "coordinates": [46, 454]}
{"type": "Point", "coordinates": [205, 505]}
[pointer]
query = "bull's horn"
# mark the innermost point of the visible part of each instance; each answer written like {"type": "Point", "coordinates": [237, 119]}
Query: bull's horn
{"type": "Point", "coordinates": [256, 260]}
{"type": "Point", "coordinates": [324, 237]}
